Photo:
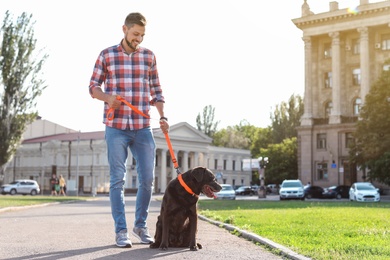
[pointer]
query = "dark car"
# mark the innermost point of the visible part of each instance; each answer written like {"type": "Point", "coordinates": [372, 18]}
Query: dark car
{"type": "Point", "coordinates": [313, 192]}
{"type": "Point", "coordinates": [244, 190]}
{"type": "Point", "coordinates": [338, 192]}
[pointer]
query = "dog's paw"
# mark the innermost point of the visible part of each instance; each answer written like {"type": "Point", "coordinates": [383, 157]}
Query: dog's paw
{"type": "Point", "coordinates": [163, 248]}
{"type": "Point", "coordinates": [193, 248]}
{"type": "Point", "coordinates": [153, 245]}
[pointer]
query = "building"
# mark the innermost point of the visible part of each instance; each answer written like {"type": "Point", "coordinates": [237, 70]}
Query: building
{"type": "Point", "coordinates": [344, 54]}
{"type": "Point", "coordinates": [81, 158]}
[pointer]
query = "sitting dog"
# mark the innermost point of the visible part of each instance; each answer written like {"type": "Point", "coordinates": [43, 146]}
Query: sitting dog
{"type": "Point", "coordinates": [178, 220]}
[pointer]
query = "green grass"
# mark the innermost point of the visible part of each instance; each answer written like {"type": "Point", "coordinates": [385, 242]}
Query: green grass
{"type": "Point", "coordinates": [18, 200]}
{"type": "Point", "coordinates": [319, 230]}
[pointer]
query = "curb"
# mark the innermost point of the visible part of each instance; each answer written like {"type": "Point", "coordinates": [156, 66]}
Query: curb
{"type": "Point", "coordinates": [284, 251]}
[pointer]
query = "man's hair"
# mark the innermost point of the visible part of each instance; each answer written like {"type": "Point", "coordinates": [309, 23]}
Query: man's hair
{"type": "Point", "coordinates": [135, 18]}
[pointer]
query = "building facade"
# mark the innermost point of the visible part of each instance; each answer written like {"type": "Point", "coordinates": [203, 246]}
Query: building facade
{"type": "Point", "coordinates": [345, 50]}
{"type": "Point", "coordinates": [81, 158]}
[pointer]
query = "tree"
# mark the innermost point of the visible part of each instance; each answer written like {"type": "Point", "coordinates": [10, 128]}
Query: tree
{"type": "Point", "coordinates": [20, 83]}
{"type": "Point", "coordinates": [283, 161]}
{"type": "Point", "coordinates": [286, 118]}
{"type": "Point", "coordinates": [206, 123]}
{"type": "Point", "coordinates": [238, 136]}
{"type": "Point", "coordinates": [372, 136]}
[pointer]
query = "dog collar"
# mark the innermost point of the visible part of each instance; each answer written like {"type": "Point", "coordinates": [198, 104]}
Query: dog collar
{"type": "Point", "coordinates": [185, 186]}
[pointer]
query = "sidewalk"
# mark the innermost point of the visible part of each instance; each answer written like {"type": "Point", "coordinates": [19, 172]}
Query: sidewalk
{"type": "Point", "coordinates": [84, 230]}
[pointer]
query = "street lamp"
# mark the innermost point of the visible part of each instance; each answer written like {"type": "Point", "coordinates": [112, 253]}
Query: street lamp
{"type": "Point", "coordinates": [262, 165]}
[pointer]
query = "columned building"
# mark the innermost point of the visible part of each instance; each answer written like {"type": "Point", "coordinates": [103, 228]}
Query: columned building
{"type": "Point", "coordinates": [344, 54]}
{"type": "Point", "coordinates": [81, 158]}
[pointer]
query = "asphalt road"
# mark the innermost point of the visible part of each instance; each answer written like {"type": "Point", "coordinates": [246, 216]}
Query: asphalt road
{"type": "Point", "coordinates": [85, 230]}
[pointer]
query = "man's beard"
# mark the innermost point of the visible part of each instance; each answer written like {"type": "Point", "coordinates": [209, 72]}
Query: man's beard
{"type": "Point", "coordinates": [130, 45]}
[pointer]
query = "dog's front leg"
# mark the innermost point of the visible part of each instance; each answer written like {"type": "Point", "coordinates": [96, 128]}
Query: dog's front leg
{"type": "Point", "coordinates": [165, 231]}
{"type": "Point", "coordinates": [193, 219]}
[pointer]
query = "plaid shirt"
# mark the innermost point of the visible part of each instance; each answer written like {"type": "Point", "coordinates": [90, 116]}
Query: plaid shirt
{"type": "Point", "coordinates": [134, 77]}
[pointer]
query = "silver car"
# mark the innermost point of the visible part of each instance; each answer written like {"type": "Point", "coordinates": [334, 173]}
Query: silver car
{"type": "Point", "coordinates": [21, 187]}
{"type": "Point", "coordinates": [291, 189]}
{"type": "Point", "coordinates": [227, 192]}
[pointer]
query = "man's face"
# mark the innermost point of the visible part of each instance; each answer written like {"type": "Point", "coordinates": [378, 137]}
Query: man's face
{"type": "Point", "coordinates": [134, 35]}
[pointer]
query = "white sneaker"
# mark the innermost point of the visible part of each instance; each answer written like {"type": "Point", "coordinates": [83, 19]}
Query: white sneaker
{"type": "Point", "coordinates": [122, 239]}
{"type": "Point", "coordinates": [143, 235]}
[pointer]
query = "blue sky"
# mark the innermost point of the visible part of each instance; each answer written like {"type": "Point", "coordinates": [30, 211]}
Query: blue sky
{"type": "Point", "coordinates": [243, 57]}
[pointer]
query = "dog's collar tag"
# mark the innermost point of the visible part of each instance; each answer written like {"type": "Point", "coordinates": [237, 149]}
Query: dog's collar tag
{"type": "Point", "coordinates": [185, 186]}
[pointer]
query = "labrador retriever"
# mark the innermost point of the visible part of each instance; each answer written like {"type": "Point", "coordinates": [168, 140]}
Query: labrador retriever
{"type": "Point", "coordinates": [178, 220]}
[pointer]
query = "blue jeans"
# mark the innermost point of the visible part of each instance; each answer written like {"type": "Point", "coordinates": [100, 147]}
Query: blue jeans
{"type": "Point", "coordinates": [143, 147]}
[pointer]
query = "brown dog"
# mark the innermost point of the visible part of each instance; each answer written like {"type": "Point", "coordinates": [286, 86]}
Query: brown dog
{"type": "Point", "coordinates": [178, 220]}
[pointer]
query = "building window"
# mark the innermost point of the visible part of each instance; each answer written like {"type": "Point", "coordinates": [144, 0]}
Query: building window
{"type": "Point", "coordinates": [356, 77]}
{"type": "Point", "coordinates": [189, 163]}
{"type": "Point", "coordinates": [215, 164]}
{"type": "Point", "coordinates": [349, 140]}
{"type": "Point", "coordinates": [156, 161]}
{"type": "Point", "coordinates": [386, 42]}
{"type": "Point", "coordinates": [356, 46]}
{"type": "Point", "coordinates": [327, 50]}
{"type": "Point", "coordinates": [322, 171]}
{"type": "Point", "coordinates": [328, 79]}
{"type": "Point", "coordinates": [357, 104]}
{"type": "Point", "coordinates": [233, 165]}
{"type": "Point", "coordinates": [321, 141]}
{"type": "Point", "coordinates": [328, 109]}
{"type": "Point", "coordinates": [224, 164]}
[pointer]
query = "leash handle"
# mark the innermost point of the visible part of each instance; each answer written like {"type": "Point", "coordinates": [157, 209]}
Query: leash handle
{"type": "Point", "coordinates": [111, 111]}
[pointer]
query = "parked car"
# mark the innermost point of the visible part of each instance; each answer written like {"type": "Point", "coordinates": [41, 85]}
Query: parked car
{"type": "Point", "coordinates": [244, 190]}
{"type": "Point", "coordinates": [21, 187]}
{"type": "Point", "coordinates": [313, 192]}
{"type": "Point", "coordinates": [364, 192]}
{"type": "Point", "coordinates": [338, 192]}
{"type": "Point", "coordinates": [272, 188]}
{"type": "Point", "coordinates": [291, 189]}
{"type": "Point", "coordinates": [227, 192]}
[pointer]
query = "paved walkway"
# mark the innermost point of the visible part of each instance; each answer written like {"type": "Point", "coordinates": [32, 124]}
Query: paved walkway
{"type": "Point", "coordinates": [84, 230]}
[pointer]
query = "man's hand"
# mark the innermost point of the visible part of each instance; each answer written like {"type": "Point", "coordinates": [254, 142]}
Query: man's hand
{"type": "Point", "coordinates": [113, 102]}
{"type": "Point", "coordinates": [164, 125]}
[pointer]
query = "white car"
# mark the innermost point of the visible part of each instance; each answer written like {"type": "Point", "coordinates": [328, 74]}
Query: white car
{"type": "Point", "coordinates": [364, 192]}
{"type": "Point", "coordinates": [291, 189]}
{"type": "Point", "coordinates": [227, 192]}
{"type": "Point", "coordinates": [21, 187]}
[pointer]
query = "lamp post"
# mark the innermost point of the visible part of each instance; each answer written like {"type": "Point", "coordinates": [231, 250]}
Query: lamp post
{"type": "Point", "coordinates": [262, 192]}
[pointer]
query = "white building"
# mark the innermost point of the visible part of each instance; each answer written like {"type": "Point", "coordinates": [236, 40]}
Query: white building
{"type": "Point", "coordinates": [81, 158]}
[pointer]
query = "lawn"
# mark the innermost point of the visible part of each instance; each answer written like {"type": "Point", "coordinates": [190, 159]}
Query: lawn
{"type": "Point", "coordinates": [20, 200]}
{"type": "Point", "coordinates": [319, 230]}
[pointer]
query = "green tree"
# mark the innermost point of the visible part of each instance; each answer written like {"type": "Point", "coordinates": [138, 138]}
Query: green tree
{"type": "Point", "coordinates": [286, 118]}
{"type": "Point", "coordinates": [283, 161]}
{"type": "Point", "coordinates": [205, 123]}
{"type": "Point", "coordinates": [372, 136]}
{"type": "Point", "coordinates": [20, 83]}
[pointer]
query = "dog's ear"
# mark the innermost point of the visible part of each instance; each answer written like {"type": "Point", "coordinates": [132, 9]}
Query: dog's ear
{"type": "Point", "coordinates": [198, 173]}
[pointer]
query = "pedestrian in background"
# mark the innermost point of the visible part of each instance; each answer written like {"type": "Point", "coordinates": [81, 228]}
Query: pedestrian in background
{"type": "Point", "coordinates": [62, 184]}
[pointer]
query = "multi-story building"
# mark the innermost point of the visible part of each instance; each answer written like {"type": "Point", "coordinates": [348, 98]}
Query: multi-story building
{"type": "Point", "coordinates": [81, 158]}
{"type": "Point", "coordinates": [344, 50]}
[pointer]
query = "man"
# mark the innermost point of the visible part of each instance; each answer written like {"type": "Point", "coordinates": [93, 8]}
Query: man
{"type": "Point", "coordinates": [129, 71]}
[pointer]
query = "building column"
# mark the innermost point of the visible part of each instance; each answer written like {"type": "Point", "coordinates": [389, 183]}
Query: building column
{"type": "Point", "coordinates": [196, 159]}
{"type": "Point", "coordinates": [364, 63]}
{"type": "Point", "coordinates": [185, 161]}
{"type": "Point", "coordinates": [307, 117]}
{"type": "Point", "coordinates": [163, 170]}
{"type": "Point", "coordinates": [335, 115]}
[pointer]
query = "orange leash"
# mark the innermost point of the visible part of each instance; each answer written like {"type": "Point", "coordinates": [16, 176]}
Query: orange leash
{"type": "Point", "coordinates": [110, 112]}
{"type": "Point", "coordinates": [110, 116]}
